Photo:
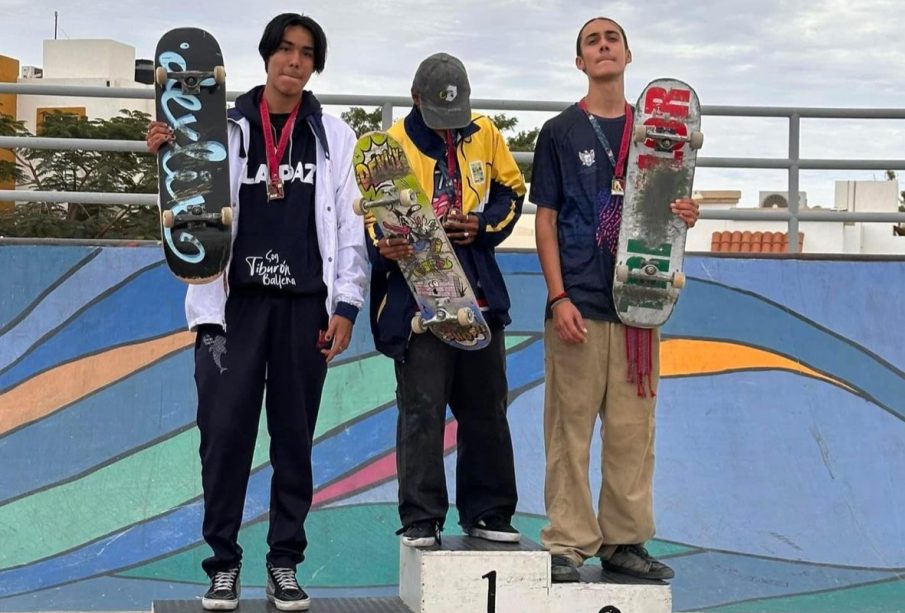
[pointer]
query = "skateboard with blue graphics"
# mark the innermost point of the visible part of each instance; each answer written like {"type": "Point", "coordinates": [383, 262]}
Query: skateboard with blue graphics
{"type": "Point", "coordinates": [193, 170]}
{"type": "Point", "coordinates": [392, 198]}
{"type": "Point", "coordinates": [660, 169]}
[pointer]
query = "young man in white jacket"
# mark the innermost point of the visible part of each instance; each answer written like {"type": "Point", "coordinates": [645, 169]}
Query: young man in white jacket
{"type": "Point", "coordinates": [281, 312]}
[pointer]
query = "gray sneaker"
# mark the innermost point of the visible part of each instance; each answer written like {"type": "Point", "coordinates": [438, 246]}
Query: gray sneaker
{"type": "Point", "coordinates": [223, 594]}
{"type": "Point", "coordinates": [284, 591]}
{"type": "Point", "coordinates": [635, 561]}
{"type": "Point", "coordinates": [494, 528]}
{"type": "Point", "coordinates": [563, 570]}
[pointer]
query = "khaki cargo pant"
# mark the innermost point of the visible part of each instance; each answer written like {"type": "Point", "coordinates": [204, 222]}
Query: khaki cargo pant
{"type": "Point", "coordinates": [584, 381]}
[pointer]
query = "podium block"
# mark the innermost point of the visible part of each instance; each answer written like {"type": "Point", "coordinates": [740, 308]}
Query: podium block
{"type": "Point", "coordinates": [470, 574]}
{"type": "Point", "coordinates": [603, 592]}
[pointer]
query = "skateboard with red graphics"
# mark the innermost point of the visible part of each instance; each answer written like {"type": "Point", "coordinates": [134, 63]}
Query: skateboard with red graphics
{"type": "Point", "coordinates": [193, 169]}
{"type": "Point", "coordinates": [390, 192]}
{"type": "Point", "coordinates": [660, 169]}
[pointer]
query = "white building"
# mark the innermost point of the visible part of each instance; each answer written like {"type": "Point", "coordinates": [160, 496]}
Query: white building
{"type": "Point", "coordinates": [96, 63]}
{"type": "Point", "coordinates": [818, 237]}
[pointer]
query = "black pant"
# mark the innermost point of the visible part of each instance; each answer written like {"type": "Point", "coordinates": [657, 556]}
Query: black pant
{"type": "Point", "coordinates": [270, 340]}
{"type": "Point", "coordinates": [473, 384]}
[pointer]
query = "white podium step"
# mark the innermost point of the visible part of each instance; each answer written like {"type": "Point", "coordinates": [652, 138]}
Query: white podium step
{"type": "Point", "coordinates": [603, 592]}
{"type": "Point", "coordinates": [470, 574]}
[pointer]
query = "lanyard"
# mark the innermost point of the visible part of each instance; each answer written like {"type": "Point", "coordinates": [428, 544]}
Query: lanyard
{"type": "Point", "coordinates": [451, 169]}
{"type": "Point", "coordinates": [618, 165]}
{"type": "Point", "coordinates": [275, 154]}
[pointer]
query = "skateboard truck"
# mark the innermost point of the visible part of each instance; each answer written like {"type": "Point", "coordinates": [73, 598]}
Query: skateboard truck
{"type": "Point", "coordinates": [666, 140]}
{"type": "Point", "coordinates": [648, 271]}
{"type": "Point", "coordinates": [405, 197]}
{"type": "Point", "coordinates": [464, 317]}
{"type": "Point", "coordinates": [195, 214]}
{"type": "Point", "coordinates": [190, 80]}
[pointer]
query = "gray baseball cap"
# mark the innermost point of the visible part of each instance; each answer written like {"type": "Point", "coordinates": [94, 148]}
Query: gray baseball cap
{"type": "Point", "coordinates": [442, 83]}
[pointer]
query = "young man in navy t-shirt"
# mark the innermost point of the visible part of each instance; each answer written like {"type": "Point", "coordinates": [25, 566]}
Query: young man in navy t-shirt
{"type": "Point", "coordinates": [595, 365]}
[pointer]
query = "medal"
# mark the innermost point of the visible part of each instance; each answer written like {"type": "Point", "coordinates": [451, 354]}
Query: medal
{"type": "Point", "coordinates": [275, 189]}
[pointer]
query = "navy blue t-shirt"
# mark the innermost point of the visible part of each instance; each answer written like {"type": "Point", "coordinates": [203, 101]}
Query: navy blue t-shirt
{"type": "Point", "coordinates": [572, 175]}
{"type": "Point", "coordinates": [276, 248]}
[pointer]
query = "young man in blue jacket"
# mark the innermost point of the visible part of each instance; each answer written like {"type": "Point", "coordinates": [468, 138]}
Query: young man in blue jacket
{"type": "Point", "coordinates": [595, 366]}
{"type": "Point", "coordinates": [298, 268]}
{"type": "Point", "coordinates": [464, 165]}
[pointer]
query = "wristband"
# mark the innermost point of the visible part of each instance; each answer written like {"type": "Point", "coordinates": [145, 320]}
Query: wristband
{"type": "Point", "coordinates": [557, 298]}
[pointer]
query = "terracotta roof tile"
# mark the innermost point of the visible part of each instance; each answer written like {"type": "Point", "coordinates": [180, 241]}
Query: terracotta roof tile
{"type": "Point", "coordinates": [752, 242]}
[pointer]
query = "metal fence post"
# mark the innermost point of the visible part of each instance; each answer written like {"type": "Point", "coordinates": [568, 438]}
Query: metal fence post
{"type": "Point", "coordinates": [387, 115]}
{"type": "Point", "coordinates": [794, 159]}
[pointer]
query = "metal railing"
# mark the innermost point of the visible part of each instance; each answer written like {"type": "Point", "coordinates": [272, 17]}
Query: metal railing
{"type": "Point", "coordinates": [793, 163]}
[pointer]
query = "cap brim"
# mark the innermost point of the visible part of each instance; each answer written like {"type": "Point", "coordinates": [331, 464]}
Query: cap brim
{"type": "Point", "coordinates": [446, 118]}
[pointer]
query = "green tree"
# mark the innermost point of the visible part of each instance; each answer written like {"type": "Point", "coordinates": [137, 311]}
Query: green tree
{"type": "Point", "coordinates": [362, 121]}
{"type": "Point", "coordinates": [9, 170]}
{"type": "Point", "coordinates": [523, 140]}
{"type": "Point", "coordinates": [84, 171]}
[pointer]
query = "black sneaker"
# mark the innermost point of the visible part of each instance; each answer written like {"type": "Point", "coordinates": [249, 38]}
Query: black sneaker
{"type": "Point", "coordinates": [494, 528]}
{"type": "Point", "coordinates": [563, 570]}
{"type": "Point", "coordinates": [424, 533]}
{"type": "Point", "coordinates": [223, 594]}
{"type": "Point", "coordinates": [284, 591]}
{"type": "Point", "coordinates": [635, 561]}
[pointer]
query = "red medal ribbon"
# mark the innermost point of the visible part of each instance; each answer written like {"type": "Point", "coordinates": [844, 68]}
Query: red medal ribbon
{"type": "Point", "coordinates": [275, 154]}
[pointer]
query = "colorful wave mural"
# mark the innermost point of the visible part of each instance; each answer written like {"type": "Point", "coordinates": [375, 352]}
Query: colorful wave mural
{"type": "Point", "coordinates": [780, 450]}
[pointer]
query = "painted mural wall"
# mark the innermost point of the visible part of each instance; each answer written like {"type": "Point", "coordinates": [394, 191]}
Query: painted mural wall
{"type": "Point", "coordinates": [780, 480]}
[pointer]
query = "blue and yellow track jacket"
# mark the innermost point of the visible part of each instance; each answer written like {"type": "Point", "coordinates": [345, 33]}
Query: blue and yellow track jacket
{"type": "Point", "coordinates": [492, 188]}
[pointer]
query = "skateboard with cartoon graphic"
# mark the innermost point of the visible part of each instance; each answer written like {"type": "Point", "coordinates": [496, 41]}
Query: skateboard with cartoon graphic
{"type": "Point", "coordinates": [660, 168]}
{"type": "Point", "coordinates": [193, 170]}
{"type": "Point", "coordinates": [390, 192]}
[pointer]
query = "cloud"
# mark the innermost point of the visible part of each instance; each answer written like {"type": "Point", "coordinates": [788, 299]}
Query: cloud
{"type": "Point", "coordinates": [772, 52]}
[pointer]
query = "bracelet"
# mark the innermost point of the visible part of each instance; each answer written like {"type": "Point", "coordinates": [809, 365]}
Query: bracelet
{"type": "Point", "coordinates": [556, 303]}
{"type": "Point", "coordinates": [556, 299]}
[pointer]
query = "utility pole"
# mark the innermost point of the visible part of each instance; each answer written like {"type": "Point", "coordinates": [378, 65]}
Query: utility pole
{"type": "Point", "coordinates": [55, 21]}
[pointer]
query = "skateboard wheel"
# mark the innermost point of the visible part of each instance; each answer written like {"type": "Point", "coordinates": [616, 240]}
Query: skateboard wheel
{"type": "Point", "coordinates": [418, 326]}
{"type": "Point", "coordinates": [465, 316]}
{"type": "Point", "coordinates": [359, 207]}
{"type": "Point", "coordinates": [407, 197]}
{"type": "Point", "coordinates": [168, 219]}
{"type": "Point", "coordinates": [219, 75]}
{"type": "Point", "coordinates": [678, 280]}
{"type": "Point", "coordinates": [696, 140]}
{"type": "Point", "coordinates": [622, 273]}
{"type": "Point", "coordinates": [160, 75]}
{"type": "Point", "coordinates": [226, 216]}
{"type": "Point", "coordinates": [639, 133]}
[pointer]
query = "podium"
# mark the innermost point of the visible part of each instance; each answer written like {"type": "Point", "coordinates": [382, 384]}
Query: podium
{"type": "Point", "coordinates": [478, 576]}
{"type": "Point", "coordinates": [470, 574]}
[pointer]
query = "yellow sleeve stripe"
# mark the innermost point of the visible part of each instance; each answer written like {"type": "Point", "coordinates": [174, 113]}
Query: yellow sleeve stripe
{"type": "Point", "coordinates": [506, 220]}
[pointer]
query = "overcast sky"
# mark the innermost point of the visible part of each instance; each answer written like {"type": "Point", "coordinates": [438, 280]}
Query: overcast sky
{"type": "Point", "coordinates": [831, 53]}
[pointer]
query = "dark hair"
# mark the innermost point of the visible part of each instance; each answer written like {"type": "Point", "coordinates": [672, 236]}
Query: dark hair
{"type": "Point", "coordinates": [578, 40]}
{"type": "Point", "coordinates": [273, 37]}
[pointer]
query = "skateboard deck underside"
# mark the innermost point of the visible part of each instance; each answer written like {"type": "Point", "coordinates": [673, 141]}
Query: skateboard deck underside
{"type": "Point", "coordinates": [651, 236]}
{"type": "Point", "coordinates": [433, 273]}
{"type": "Point", "coordinates": [194, 169]}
